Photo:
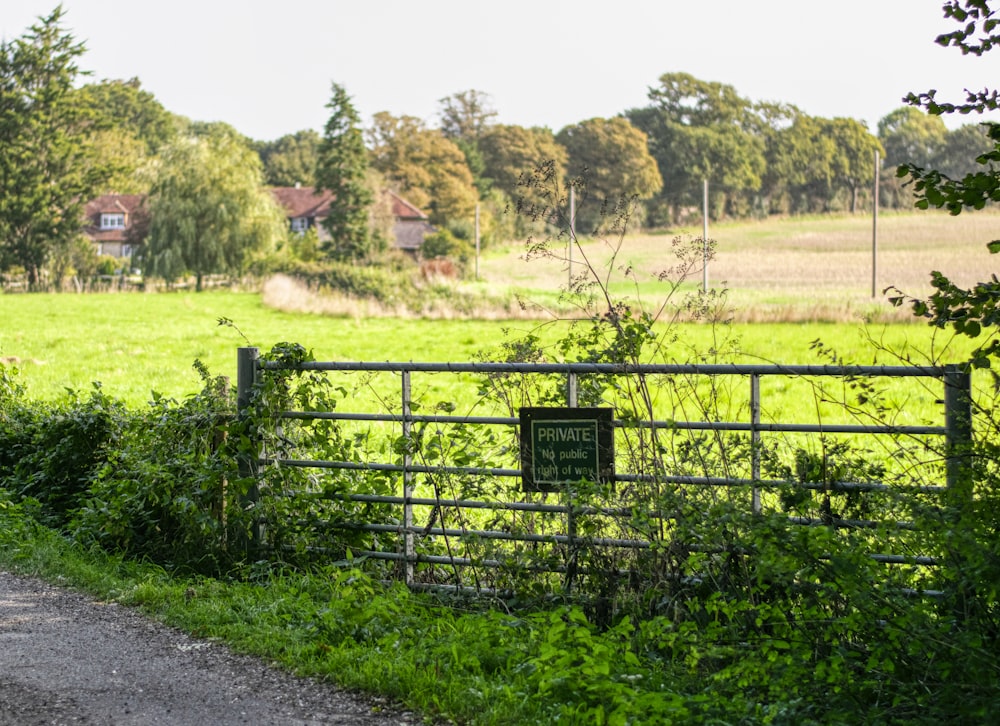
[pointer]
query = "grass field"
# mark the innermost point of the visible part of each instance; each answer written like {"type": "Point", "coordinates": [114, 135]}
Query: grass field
{"type": "Point", "coordinates": [801, 269]}
{"type": "Point", "coordinates": [808, 273]}
{"type": "Point", "coordinates": [135, 343]}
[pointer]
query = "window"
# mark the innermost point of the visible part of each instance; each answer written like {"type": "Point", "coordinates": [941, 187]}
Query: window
{"type": "Point", "coordinates": [112, 221]}
{"type": "Point", "coordinates": [300, 224]}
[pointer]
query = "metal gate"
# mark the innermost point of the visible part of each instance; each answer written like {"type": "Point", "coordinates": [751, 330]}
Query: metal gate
{"type": "Point", "coordinates": [431, 506]}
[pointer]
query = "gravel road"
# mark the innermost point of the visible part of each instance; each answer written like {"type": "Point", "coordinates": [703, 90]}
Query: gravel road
{"type": "Point", "coordinates": [68, 659]}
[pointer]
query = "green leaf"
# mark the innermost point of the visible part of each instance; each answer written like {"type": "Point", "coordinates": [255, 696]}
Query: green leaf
{"type": "Point", "coordinates": [993, 246]}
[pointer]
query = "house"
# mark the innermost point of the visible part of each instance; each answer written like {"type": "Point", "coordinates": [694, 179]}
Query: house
{"type": "Point", "coordinates": [110, 217]}
{"type": "Point", "coordinates": [307, 208]}
{"type": "Point", "coordinates": [108, 221]}
{"type": "Point", "coordinates": [411, 224]}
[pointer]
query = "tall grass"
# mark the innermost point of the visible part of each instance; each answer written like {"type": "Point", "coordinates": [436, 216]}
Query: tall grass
{"type": "Point", "coordinates": [799, 269]}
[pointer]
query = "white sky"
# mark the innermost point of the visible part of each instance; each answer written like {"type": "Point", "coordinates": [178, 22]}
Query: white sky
{"type": "Point", "coordinates": [266, 67]}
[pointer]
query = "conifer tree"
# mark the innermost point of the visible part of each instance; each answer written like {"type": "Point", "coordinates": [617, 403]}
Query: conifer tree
{"type": "Point", "coordinates": [47, 172]}
{"type": "Point", "coordinates": [342, 169]}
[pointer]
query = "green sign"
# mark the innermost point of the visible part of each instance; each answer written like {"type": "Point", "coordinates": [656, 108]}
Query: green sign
{"type": "Point", "coordinates": [563, 446]}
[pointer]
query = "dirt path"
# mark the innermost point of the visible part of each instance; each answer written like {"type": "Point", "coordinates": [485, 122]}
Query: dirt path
{"type": "Point", "coordinates": [67, 659]}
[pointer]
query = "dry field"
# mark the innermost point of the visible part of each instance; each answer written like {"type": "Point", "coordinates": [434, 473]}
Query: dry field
{"type": "Point", "coordinates": [791, 269]}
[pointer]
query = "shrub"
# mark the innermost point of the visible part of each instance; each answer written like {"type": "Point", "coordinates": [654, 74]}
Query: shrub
{"type": "Point", "coordinates": [170, 490]}
{"type": "Point", "coordinates": [52, 452]}
{"type": "Point", "coordinates": [444, 243]}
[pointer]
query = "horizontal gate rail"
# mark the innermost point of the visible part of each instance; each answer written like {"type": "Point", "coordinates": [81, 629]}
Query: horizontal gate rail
{"type": "Point", "coordinates": [707, 369]}
{"type": "Point", "coordinates": [662, 425]}
{"type": "Point", "coordinates": [625, 478]}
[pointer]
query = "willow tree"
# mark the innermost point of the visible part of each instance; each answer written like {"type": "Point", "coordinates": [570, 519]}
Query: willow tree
{"type": "Point", "coordinates": [209, 210]}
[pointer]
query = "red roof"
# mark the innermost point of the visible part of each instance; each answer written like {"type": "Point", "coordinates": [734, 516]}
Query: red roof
{"type": "Point", "coordinates": [303, 201]}
{"type": "Point", "coordinates": [402, 209]}
{"type": "Point", "coordinates": [112, 204]}
{"type": "Point", "coordinates": [125, 204]}
{"type": "Point", "coordinates": [307, 202]}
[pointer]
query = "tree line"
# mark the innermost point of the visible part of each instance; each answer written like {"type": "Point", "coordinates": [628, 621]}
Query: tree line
{"type": "Point", "coordinates": [63, 142]}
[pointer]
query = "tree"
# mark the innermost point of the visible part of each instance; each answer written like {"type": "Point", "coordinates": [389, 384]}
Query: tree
{"type": "Point", "coordinates": [799, 177]}
{"type": "Point", "coordinates": [47, 171]}
{"type": "Point", "coordinates": [685, 100]}
{"type": "Point", "coordinates": [934, 188]}
{"type": "Point", "coordinates": [961, 148]}
{"type": "Point", "coordinates": [291, 160]}
{"type": "Point", "coordinates": [967, 310]}
{"type": "Point", "coordinates": [466, 115]}
{"type": "Point", "coordinates": [515, 159]}
{"type": "Point", "coordinates": [132, 110]}
{"type": "Point", "coordinates": [909, 136]}
{"type": "Point", "coordinates": [122, 156]}
{"type": "Point", "coordinates": [134, 127]}
{"type": "Point", "coordinates": [510, 152]}
{"type": "Point", "coordinates": [208, 209]}
{"type": "Point", "coordinates": [701, 130]}
{"type": "Point", "coordinates": [341, 168]}
{"type": "Point", "coordinates": [854, 163]}
{"type": "Point", "coordinates": [613, 159]}
{"type": "Point", "coordinates": [424, 166]}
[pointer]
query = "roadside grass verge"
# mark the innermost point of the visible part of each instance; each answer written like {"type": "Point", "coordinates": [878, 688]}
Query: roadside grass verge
{"type": "Point", "coordinates": [735, 661]}
{"type": "Point", "coordinates": [453, 660]}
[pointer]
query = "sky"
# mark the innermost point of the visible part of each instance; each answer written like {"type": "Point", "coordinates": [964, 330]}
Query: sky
{"type": "Point", "coordinates": [266, 67]}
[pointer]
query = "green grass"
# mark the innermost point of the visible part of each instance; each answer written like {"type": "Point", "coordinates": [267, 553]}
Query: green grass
{"type": "Point", "coordinates": [812, 272]}
{"type": "Point", "coordinates": [136, 343]}
{"type": "Point", "coordinates": [469, 666]}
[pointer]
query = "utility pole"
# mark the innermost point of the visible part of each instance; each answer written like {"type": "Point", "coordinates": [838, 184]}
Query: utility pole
{"type": "Point", "coordinates": [875, 228]}
{"type": "Point", "coordinates": [572, 230]}
{"type": "Point", "coordinates": [704, 236]}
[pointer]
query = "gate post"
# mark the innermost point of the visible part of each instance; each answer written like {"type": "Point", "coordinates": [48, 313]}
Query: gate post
{"type": "Point", "coordinates": [958, 434]}
{"type": "Point", "coordinates": [755, 504]}
{"type": "Point", "coordinates": [572, 401]}
{"type": "Point", "coordinates": [409, 541]}
{"type": "Point", "coordinates": [959, 476]}
{"type": "Point", "coordinates": [246, 380]}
